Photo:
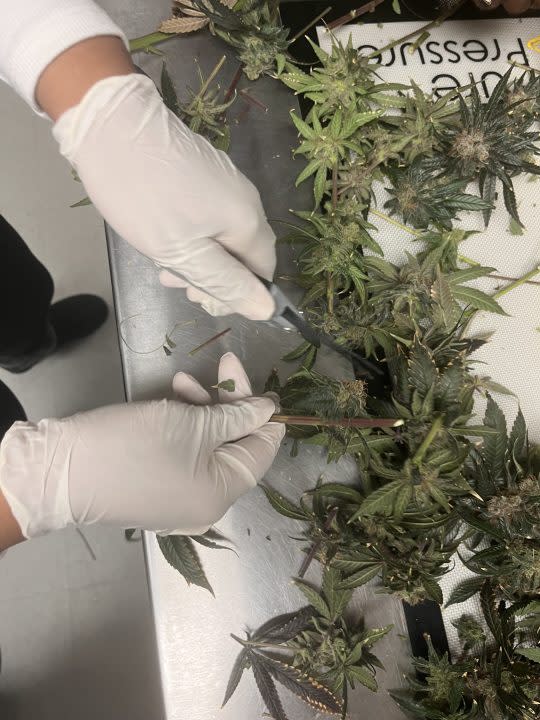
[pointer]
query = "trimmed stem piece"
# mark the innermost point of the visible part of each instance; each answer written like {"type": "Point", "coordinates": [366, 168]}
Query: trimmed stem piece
{"type": "Point", "coordinates": [342, 423]}
{"type": "Point", "coordinates": [208, 342]}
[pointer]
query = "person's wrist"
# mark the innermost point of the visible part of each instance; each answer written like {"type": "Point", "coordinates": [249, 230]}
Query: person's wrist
{"type": "Point", "coordinates": [67, 79]}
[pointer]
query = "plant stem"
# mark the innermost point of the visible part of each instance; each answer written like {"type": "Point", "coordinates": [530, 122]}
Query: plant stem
{"type": "Point", "coordinates": [511, 279]}
{"type": "Point", "coordinates": [86, 543]}
{"type": "Point", "coordinates": [430, 437]}
{"type": "Point", "coordinates": [207, 342]}
{"type": "Point", "coordinates": [206, 84]}
{"type": "Point", "coordinates": [305, 420]}
{"type": "Point", "coordinates": [313, 550]}
{"type": "Point", "coordinates": [470, 261]}
{"type": "Point", "coordinates": [250, 98]}
{"type": "Point", "coordinates": [330, 286]}
{"type": "Point", "coordinates": [234, 82]}
{"type": "Point", "coordinates": [145, 42]}
{"type": "Point", "coordinates": [525, 67]}
{"type": "Point", "coordinates": [310, 24]}
{"type": "Point", "coordinates": [433, 24]}
{"type": "Point", "coordinates": [516, 283]}
{"type": "Point", "coordinates": [392, 221]}
{"type": "Point", "coordinates": [344, 19]}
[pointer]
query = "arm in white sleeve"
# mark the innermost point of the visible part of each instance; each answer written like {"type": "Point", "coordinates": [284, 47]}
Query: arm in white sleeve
{"type": "Point", "coordinates": [34, 32]}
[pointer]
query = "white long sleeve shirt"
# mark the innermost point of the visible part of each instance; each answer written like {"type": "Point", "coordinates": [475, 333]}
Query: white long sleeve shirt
{"type": "Point", "coordinates": [34, 32]}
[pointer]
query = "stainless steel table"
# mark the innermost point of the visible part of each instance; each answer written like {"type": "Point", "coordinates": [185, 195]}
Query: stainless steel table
{"type": "Point", "coordinates": [192, 628]}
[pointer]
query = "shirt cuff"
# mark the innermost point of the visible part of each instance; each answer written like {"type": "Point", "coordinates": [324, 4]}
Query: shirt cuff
{"type": "Point", "coordinates": [34, 32]}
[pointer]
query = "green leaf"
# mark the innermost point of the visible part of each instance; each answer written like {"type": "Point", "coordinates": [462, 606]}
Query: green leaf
{"type": "Point", "coordinates": [464, 201]}
{"type": "Point", "coordinates": [396, 7]}
{"type": "Point", "coordinates": [222, 138]}
{"type": "Point", "coordinates": [494, 448]}
{"type": "Point", "coordinates": [209, 543]}
{"type": "Point", "coordinates": [380, 500]}
{"type": "Point", "coordinates": [285, 627]}
{"type": "Point", "coordinates": [241, 664]}
{"type": "Point", "coordinates": [471, 273]}
{"type": "Point", "coordinates": [484, 527]}
{"type": "Point", "coordinates": [339, 492]}
{"type": "Point", "coordinates": [518, 434]}
{"type": "Point", "coordinates": [280, 63]}
{"type": "Point", "coordinates": [168, 91]}
{"type": "Point", "coordinates": [474, 431]}
{"type": "Point", "coordinates": [374, 635]}
{"type": "Point", "coordinates": [433, 589]}
{"type": "Point", "coordinates": [282, 505]}
{"type": "Point", "coordinates": [439, 496]}
{"type": "Point", "coordinates": [311, 168]}
{"type": "Point", "coordinates": [496, 387]}
{"type": "Point", "coordinates": [81, 203]}
{"type": "Point", "coordinates": [313, 598]}
{"type": "Point", "coordinates": [309, 358]}
{"type": "Point", "coordinates": [465, 590]}
{"type": "Point", "coordinates": [226, 385]}
{"type": "Point", "coordinates": [330, 587]}
{"type": "Point", "coordinates": [319, 186]}
{"type": "Point", "coordinates": [422, 369]}
{"type": "Point", "coordinates": [488, 601]}
{"type": "Point", "coordinates": [179, 551]}
{"type": "Point", "coordinates": [298, 352]}
{"type": "Point", "coordinates": [532, 653]}
{"type": "Point", "coordinates": [273, 383]}
{"type": "Point", "coordinates": [267, 689]}
{"type": "Point", "coordinates": [403, 498]}
{"type": "Point", "coordinates": [363, 676]}
{"type": "Point", "coordinates": [515, 227]}
{"type": "Point", "coordinates": [442, 294]}
{"type": "Point", "coordinates": [309, 689]}
{"type": "Point", "coordinates": [361, 577]}
{"type": "Point", "coordinates": [477, 299]}
{"type": "Point", "coordinates": [129, 533]}
{"type": "Point", "coordinates": [303, 128]}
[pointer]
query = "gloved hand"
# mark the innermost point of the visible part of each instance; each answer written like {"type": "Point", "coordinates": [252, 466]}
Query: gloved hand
{"type": "Point", "coordinates": [170, 194]}
{"type": "Point", "coordinates": [166, 466]}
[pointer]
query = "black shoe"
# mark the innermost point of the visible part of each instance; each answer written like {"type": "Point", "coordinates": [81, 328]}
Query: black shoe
{"type": "Point", "coordinates": [76, 317]}
{"type": "Point", "coordinates": [71, 319]}
{"type": "Point", "coordinates": [22, 359]}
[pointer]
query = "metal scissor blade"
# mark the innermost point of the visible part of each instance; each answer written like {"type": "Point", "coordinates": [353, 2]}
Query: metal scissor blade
{"type": "Point", "coordinates": [310, 334]}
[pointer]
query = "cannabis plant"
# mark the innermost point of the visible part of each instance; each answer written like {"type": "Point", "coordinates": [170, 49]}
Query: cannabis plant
{"type": "Point", "coordinates": [253, 27]}
{"type": "Point", "coordinates": [344, 80]}
{"type": "Point", "coordinates": [317, 652]}
{"type": "Point", "coordinates": [424, 196]}
{"type": "Point", "coordinates": [505, 514]}
{"type": "Point", "coordinates": [204, 111]}
{"type": "Point", "coordinates": [497, 675]}
{"type": "Point", "coordinates": [493, 141]}
{"type": "Point", "coordinates": [326, 144]}
{"type": "Point", "coordinates": [443, 481]}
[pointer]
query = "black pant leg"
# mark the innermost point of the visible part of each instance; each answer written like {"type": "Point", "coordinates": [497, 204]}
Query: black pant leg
{"type": "Point", "coordinates": [26, 290]}
{"type": "Point", "coordinates": [10, 410]}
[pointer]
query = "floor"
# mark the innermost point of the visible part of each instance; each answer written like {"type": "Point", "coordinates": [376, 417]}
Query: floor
{"type": "Point", "coordinates": [76, 634]}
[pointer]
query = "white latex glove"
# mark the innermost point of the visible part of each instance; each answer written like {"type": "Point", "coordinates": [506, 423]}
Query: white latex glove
{"type": "Point", "coordinates": [170, 194]}
{"type": "Point", "coordinates": [165, 466]}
